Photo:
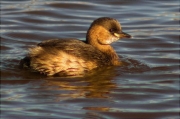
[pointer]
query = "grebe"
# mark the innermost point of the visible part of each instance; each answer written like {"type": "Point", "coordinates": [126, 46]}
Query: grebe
{"type": "Point", "coordinates": [73, 57]}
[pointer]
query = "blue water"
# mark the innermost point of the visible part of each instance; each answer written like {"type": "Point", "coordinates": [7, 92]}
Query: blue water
{"type": "Point", "coordinates": [146, 87]}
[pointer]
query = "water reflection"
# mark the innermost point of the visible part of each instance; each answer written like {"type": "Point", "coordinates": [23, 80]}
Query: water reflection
{"type": "Point", "coordinates": [146, 86]}
{"type": "Point", "coordinates": [96, 86]}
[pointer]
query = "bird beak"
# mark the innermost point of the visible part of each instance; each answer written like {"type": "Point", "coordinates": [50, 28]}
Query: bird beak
{"type": "Point", "coordinates": [122, 35]}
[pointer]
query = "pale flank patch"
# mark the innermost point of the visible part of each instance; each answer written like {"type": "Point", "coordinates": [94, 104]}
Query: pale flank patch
{"type": "Point", "coordinates": [61, 62]}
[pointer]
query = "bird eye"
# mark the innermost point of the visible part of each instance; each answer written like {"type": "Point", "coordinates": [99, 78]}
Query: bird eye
{"type": "Point", "coordinates": [112, 30]}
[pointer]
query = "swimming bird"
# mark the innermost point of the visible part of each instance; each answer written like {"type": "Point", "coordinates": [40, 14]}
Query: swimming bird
{"type": "Point", "coordinates": [73, 57]}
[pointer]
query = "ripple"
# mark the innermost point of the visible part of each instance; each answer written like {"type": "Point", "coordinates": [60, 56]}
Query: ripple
{"type": "Point", "coordinates": [147, 85]}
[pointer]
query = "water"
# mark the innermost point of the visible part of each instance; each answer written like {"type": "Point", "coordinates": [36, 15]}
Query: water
{"type": "Point", "coordinates": [146, 87]}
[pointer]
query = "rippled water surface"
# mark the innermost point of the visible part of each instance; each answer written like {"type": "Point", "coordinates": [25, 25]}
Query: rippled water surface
{"type": "Point", "coordinates": [146, 87]}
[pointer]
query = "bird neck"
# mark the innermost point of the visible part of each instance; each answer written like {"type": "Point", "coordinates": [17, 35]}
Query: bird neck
{"type": "Point", "coordinates": [107, 50]}
{"type": "Point", "coordinates": [94, 35]}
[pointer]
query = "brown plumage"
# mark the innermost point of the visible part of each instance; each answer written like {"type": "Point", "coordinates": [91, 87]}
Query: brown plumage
{"type": "Point", "coordinates": [72, 57]}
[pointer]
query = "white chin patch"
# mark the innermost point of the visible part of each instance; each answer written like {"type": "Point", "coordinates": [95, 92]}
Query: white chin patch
{"type": "Point", "coordinates": [110, 40]}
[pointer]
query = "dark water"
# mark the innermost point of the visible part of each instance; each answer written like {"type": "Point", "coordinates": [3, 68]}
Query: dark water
{"type": "Point", "coordinates": [146, 87]}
